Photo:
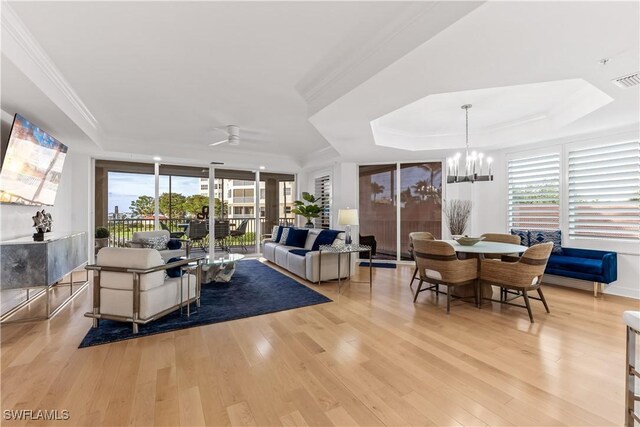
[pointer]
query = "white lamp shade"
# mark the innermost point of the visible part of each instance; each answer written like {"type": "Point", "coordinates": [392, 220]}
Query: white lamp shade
{"type": "Point", "coordinates": [348, 217]}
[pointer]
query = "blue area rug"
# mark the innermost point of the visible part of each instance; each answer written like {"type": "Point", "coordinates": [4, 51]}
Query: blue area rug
{"type": "Point", "coordinates": [377, 264]}
{"type": "Point", "coordinates": [254, 289]}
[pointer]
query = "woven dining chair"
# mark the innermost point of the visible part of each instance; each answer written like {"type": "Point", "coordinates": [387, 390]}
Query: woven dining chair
{"type": "Point", "coordinates": [438, 265]}
{"type": "Point", "coordinates": [522, 276]}
{"type": "Point", "coordinates": [425, 235]}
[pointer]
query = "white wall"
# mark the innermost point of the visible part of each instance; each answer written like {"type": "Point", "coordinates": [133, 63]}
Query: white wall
{"type": "Point", "coordinates": [70, 211]}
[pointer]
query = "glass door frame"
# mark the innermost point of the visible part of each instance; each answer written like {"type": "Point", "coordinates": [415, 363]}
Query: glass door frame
{"type": "Point", "coordinates": [396, 201]}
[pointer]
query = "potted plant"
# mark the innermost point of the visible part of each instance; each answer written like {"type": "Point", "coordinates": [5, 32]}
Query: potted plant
{"type": "Point", "coordinates": [102, 237]}
{"type": "Point", "coordinates": [457, 213]}
{"type": "Point", "coordinates": [307, 208]}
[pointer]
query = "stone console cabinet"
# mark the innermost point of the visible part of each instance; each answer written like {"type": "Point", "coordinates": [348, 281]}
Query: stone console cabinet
{"type": "Point", "coordinates": [29, 265]}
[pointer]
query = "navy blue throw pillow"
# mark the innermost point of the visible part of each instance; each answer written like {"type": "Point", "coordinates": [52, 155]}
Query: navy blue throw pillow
{"type": "Point", "coordinates": [326, 237]}
{"type": "Point", "coordinates": [174, 244]}
{"type": "Point", "coordinates": [524, 236]}
{"type": "Point", "coordinates": [299, 252]}
{"type": "Point", "coordinates": [297, 237]}
{"type": "Point", "coordinates": [543, 236]}
{"type": "Point", "coordinates": [174, 271]}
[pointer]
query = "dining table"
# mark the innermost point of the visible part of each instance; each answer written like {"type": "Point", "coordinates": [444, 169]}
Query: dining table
{"type": "Point", "coordinates": [481, 249]}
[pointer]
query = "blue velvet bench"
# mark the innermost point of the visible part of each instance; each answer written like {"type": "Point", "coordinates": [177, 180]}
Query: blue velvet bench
{"type": "Point", "coordinates": [599, 267]}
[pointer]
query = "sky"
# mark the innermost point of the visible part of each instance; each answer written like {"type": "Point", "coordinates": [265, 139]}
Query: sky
{"type": "Point", "coordinates": [126, 187]}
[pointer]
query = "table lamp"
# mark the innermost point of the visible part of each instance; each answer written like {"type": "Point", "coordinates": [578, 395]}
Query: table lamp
{"type": "Point", "coordinates": [348, 217]}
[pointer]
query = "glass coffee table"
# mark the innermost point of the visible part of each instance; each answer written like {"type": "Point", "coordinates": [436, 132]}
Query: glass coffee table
{"type": "Point", "coordinates": [220, 268]}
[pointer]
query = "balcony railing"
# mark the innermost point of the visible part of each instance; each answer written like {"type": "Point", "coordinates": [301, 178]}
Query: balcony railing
{"type": "Point", "coordinates": [121, 230]}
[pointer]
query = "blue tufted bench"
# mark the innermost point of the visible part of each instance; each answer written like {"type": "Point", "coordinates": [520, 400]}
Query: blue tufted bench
{"type": "Point", "coordinates": [582, 264]}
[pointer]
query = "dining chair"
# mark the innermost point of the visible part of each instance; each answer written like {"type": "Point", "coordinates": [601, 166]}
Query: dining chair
{"type": "Point", "coordinates": [438, 265]}
{"type": "Point", "coordinates": [501, 238]}
{"type": "Point", "coordinates": [522, 276]}
{"type": "Point", "coordinates": [425, 235]}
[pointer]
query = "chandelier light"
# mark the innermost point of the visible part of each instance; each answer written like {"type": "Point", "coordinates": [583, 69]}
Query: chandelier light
{"type": "Point", "coordinates": [474, 166]}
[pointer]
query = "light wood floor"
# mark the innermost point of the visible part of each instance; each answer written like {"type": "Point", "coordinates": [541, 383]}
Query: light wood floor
{"type": "Point", "coordinates": [364, 359]}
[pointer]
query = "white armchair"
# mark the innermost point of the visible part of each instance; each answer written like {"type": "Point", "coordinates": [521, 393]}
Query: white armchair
{"type": "Point", "coordinates": [130, 285]}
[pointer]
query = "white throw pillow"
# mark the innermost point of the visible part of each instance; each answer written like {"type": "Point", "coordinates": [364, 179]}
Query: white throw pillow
{"type": "Point", "coordinates": [158, 243]}
{"type": "Point", "coordinates": [283, 237]}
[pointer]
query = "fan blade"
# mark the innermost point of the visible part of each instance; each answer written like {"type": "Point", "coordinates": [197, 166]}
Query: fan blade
{"type": "Point", "coordinates": [219, 142]}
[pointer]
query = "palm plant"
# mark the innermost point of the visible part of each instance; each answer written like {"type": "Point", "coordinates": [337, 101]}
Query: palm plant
{"type": "Point", "coordinates": [376, 189]}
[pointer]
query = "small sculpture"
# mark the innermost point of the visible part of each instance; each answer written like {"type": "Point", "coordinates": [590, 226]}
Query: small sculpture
{"type": "Point", "coordinates": [42, 223]}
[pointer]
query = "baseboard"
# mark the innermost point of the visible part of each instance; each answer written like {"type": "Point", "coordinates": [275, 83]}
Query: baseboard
{"type": "Point", "coordinates": [612, 289]}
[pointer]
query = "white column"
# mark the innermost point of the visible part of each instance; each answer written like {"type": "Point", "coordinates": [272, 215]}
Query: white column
{"type": "Point", "coordinates": [156, 207]}
{"type": "Point", "coordinates": [398, 212]}
{"type": "Point", "coordinates": [257, 211]}
{"type": "Point", "coordinates": [212, 212]}
{"type": "Point", "coordinates": [92, 210]}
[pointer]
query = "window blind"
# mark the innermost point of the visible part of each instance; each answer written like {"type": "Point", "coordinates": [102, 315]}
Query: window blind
{"type": "Point", "coordinates": [534, 192]}
{"type": "Point", "coordinates": [604, 192]}
{"type": "Point", "coordinates": [323, 194]}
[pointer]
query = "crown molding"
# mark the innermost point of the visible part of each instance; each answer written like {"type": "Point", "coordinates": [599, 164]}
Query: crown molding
{"type": "Point", "coordinates": [414, 25]}
{"type": "Point", "coordinates": [25, 51]}
{"type": "Point", "coordinates": [351, 56]}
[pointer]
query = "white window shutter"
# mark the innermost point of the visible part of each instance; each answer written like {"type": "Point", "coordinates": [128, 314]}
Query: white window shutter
{"type": "Point", "coordinates": [604, 192]}
{"type": "Point", "coordinates": [534, 192]}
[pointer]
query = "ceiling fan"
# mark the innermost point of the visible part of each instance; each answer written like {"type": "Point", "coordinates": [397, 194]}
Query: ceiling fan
{"type": "Point", "coordinates": [233, 136]}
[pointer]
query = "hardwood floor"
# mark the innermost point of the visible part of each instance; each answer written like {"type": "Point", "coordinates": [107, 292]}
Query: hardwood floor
{"type": "Point", "coordinates": [363, 359]}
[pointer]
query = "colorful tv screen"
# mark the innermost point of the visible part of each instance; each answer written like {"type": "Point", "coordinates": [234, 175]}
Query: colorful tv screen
{"type": "Point", "coordinates": [32, 165]}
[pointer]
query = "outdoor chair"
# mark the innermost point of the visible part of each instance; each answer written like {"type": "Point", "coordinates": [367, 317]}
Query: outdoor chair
{"type": "Point", "coordinates": [197, 233]}
{"type": "Point", "coordinates": [172, 234]}
{"type": "Point", "coordinates": [239, 233]}
{"type": "Point", "coordinates": [221, 234]}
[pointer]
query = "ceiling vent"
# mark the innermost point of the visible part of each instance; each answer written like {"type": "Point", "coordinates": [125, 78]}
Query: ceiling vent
{"type": "Point", "coordinates": [627, 81]}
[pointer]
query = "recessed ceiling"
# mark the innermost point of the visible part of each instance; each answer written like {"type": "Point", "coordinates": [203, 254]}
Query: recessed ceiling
{"type": "Point", "coordinates": [498, 115]}
{"type": "Point", "coordinates": [169, 73]}
{"type": "Point", "coordinates": [498, 45]}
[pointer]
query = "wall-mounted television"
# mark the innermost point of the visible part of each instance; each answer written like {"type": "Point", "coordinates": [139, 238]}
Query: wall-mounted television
{"type": "Point", "coordinates": [32, 165]}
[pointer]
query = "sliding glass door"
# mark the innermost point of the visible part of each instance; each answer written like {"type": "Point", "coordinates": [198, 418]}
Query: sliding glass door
{"type": "Point", "coordinates": [390, 209]}
{"type": "Point", "coordinates": [420, 201]}
{"type": "Point", "coordinates": [378, 212]}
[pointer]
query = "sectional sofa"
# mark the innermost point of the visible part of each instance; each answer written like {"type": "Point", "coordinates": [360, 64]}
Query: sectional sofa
{"type": "Point", "coordinates": [301, 257]}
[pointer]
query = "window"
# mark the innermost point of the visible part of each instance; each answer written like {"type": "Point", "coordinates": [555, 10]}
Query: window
{"type": "Point", "coordinates": [246, 192]}
{"type": "Point", "coordinates": [204, 186]}
{"type": "Point", "coordinates": [237, 210]}
{"type": "Point", "coordinates": [604, 192]}
{"type": "Point", "coordinates": [323, 193]}
{"type": "Point", "coordinates": [534, 192]}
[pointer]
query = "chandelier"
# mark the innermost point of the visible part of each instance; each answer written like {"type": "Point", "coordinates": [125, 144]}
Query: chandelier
{"type": "Point", "coordinates": [474, 166]}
